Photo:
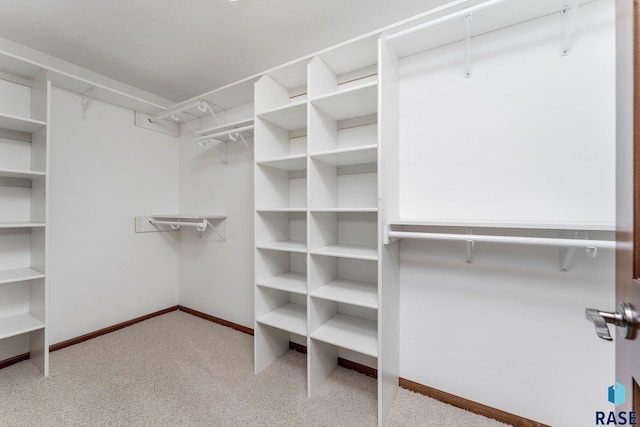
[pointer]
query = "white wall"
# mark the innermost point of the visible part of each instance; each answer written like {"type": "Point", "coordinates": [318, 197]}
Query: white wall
{"type": "Point", "coordinates": [216, 277]}
{"type": "Point", "coordinates": [529, 137]}
{"type": "Point", "coordinates": [104, 171]}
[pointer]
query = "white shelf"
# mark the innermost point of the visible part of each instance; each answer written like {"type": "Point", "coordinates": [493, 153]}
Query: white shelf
{"type": "Point", "coordinates": [20, 174]}
{"type": "Point", "coordinates": [349, 156]}
{"type": "Point", "coordinates": [226, 127]}
{"type": "Point", "coordinates": [289, 282]}
{"type": "Point", "coordinates": [289, 163]}
{"type": "Point", "coordinates": [287, 246]}
{"type": "Point", "coordinates": [352, 333]}
{"type": "Point", "coordinates": [20, 124]}
{"type": "Point", "coordinates": [290, 117]}
{"type": "Point", "coordinates": [23, 224]}
{"type": "Point", "coordinates": [352, 292]}
{"type": "Point", "coordinates": [19, 275]}
{"type": "Point", "coordinates": [289, 317]}
{"type": "Point", "coordinates": [17, 325]}
{"type": "Point", "coordinates": [348, 251]}
{"type": "Point", "coordinates": [506, 224]}
{"type": "Point", "coordinates": [282, 210]}
{"type": "Point", "coordinates": [192, 217]}
{"type": "Point", "coordinates": [348, 103]}
{"type": "Point", "coordinates": [338, 210]}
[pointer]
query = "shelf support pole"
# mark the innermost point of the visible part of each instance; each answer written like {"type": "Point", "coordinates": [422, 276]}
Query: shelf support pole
{"type": "Point", "coordinates": [467, 42]}
{"type": "Point", "coordinates": [85, 100]}
{"type": "Point", "coordinates": [569, 12]}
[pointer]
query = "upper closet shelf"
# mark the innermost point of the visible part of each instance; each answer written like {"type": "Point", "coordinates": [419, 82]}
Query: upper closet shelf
{"type": "Point", "coordinates": [348, 103]}
{"type": "Point", "coordinates": [349, 156]}
{"type": "Point", "coordinates": [226, 128]}
{"type": "Point", "coordinates": [20, 124]}
{"type": "Point", "coordinates": [290, 117]}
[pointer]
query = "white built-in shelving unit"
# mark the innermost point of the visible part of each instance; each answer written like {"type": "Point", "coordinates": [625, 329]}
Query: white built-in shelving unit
{"type": "Point", "coordinates": [317, 227]}
{"type": "Point", "coordinates": [24, 135]}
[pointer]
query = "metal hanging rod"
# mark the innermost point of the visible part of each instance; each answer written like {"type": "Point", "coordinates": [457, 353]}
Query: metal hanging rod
{"type": "Point", "coordinates": [535, 241]}
{"type": "Point", "coordinates": [175, 114]}
{"type": "Point", "coordinates": [225, 132]}
{"type": "Point", "coordinates": [175, 225]}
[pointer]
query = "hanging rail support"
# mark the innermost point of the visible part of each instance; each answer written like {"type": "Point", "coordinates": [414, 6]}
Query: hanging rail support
{"type": "Point", "coordinates": [569, 12]}
{"type": "Point", "coordinates": [567, 254]}
{"type": "Point", "coordinates": [85, 100]}
{"type": "Point", "coordinates": [204, 106]}
{"type": "Point", "coordinates": [470, 245]}
{"type": "Point", "coordinates": [237, 135]}
{"type": "Point", "coordinates": [467, 60]}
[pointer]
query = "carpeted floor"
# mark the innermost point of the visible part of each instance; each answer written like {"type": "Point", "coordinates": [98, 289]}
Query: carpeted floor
{"type": "Point", "coordinates": [178, 369]}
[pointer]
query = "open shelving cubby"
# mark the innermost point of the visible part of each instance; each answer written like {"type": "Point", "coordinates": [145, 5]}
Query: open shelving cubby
{"type": "Point", "coordinates": [24, 117]}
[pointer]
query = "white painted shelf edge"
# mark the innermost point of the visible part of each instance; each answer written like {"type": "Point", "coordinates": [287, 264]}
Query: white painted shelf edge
{"type": "Point", "coordinates": [505, 224]}
{"type": "Point", "coordinates": [350, 332]}
{"type": "Point", "coordinates": [22, 174]}
{"type": "Point", "coordinates": [291, 163]}
{"type": "Point", "coordinates": [348, 251]}
{"type": "Point", "coordinates": [345, 92]}
{"type": "Point", "coordinates": [22, 224]}
{"type": "Point", "coordinates": [354, 210]}
{"type": "Point", "coordinates": [362, 294]}
{"type": "Point", "coordinates": [226, 126]}
{"type": "Point", "coordinates": [18, 325]}
{"type": "Point", "coordinates": [291, 106]}
{"type": "Point", "coordinates": [19, 275]}
{"type": "Point", "coordinates": [289, 317]}
{"type": "Point", "coordinates": [20, 124]}
{"type": "Point", "coordinates": [281, 210]}
{"type": "Point", "coordinates": [290, 282]}
{"type": "Point", "coordinates": [287, 246]}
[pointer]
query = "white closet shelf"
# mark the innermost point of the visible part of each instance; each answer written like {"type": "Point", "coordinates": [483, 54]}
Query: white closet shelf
{"type": "Point", "coordinates": [356, 101]}
{"type": "Point", "coordinates": [350, 332]}
{"type": "Point", "coordinates": [281, 210]}
{"type": "Point", "coordinates": [20, 174]}
{"type": "Point", "coordinates": [363, 294]}
{"type": "Point", "coordinates": [287, 246]}
{"type": "Point", "coordinates": [290, 117]}
{"type": "Point", "coordinates": [227, 127]}
{"type": "Point", "coordinates": [19, 275]}
{"type": "Point", "coordinates": [289, 163]}
{"type": "Point", "coordinates": [18, 325]}
{"type": "Point", "coordinates": [505, 224]}
{"type": "Point", "coordinates": [290, 317]}
{"type": "Point", "coordinates": [289, 282]}
{"type": "Point", "coordinates": [347, 210]}
{"type": "Point", "coordinates": [20, 124]}
{"type": "Point", "coordinates": [22, 224]}
{"type": "Point", "coordinates": [348, 251]}
{"type": "Point", "coordinates": [349, 156]}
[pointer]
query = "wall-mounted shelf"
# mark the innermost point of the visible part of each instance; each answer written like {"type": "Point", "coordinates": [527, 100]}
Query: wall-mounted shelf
{"type": "Point", "coordinates": [200, 223]}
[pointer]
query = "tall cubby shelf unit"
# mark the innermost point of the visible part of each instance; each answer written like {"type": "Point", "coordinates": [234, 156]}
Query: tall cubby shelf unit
{"type": "Point", "coordinates": [318, 217]}
{"type": "Point", "coordinates": [24, 117]}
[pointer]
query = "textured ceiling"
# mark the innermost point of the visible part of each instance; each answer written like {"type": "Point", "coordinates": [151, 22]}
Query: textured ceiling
{"type": "Point", "coordinates": [178, 49]}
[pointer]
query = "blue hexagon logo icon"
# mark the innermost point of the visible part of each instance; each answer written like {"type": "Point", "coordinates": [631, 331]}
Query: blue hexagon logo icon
{"type": "Point", "coordinates": [616, 394]}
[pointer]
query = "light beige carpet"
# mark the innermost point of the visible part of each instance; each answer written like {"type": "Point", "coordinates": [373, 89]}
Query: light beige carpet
{"type": "Point", "coordinates": [178, 369]}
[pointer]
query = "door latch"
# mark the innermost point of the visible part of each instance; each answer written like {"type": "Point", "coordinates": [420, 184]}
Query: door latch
{"type": "Point", "coordinates": [623, 318]}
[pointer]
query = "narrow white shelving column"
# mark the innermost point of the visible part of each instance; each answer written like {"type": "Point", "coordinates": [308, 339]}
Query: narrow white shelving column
{"type": "Point", "coordinates": [24, 117]}
{"type": "Point", "coordinates": [281, 212]}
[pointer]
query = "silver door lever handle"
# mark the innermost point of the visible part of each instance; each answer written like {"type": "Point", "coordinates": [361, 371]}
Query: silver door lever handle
{"type": "Point", "coordinates": [622, 318]}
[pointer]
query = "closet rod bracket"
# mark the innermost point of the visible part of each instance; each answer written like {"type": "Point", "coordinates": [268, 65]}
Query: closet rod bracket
{"type": "Point", "coordinates": [569, 12]}
{"type": "Point", "coordinates": [85, 100]}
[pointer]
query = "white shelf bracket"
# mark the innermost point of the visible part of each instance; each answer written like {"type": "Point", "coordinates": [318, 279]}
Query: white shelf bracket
{"type": "Point", "coordinates": [569, 12]}
{"type": "Point", "coordinates": [85, 100]}
{"type": "Point", "coordinates": [567, 254]}
{"type": "Point", "coordinates": [237, 135]}
{"type": "Point", "coordinates": [386, 239]}
{"type": "Point", "coordinates": [204, 106]}
{"type": "Point", "coordinates": [467, 42]}
{"type": "Point", "coordinates": [470, 246]}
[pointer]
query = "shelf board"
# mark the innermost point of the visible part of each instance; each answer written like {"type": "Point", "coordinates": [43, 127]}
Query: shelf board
{"type": "Point", "coordinates": [289, 317]}
{"type": "Point", "coordinates": [282, 210]}
{"type": "Point", "coordinates": [20, 174]}
{"type": "Point", "coordinates": [506, 224]}
{"type": "Point", "coordinates": [287, 246]}
{"type": "Point", "coordinates": [356, 101]}
{"type": "Point", "coordinates": [363, 294]}
{"type": "Point", "coordinates": [226, 127]}
{"type": "Point", "coordinates": [291, 116]}
{"type": "Point", "coordinates": [290, 282]}
{"type": "Point", "coordinates": [348, 251]}
{"type": "Point", "coordinates": [192, 217]}
{"type": "Point", "coordinates": [353, 333]}
{"type": "Point", "coordinates": [19, 275]}
{"type": "Point", "coordinates": [349, 156]}
{"type": "Point", "coordinates": [289, 163]}
{"type": "Point", "coordinates": [20, 124]}
{"type": "Point", "coordinates": [17, 325]}
{"type": "Point", "coordinates": [354, 210]}
{"type": "Point", "coordinates": [23, 224]}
